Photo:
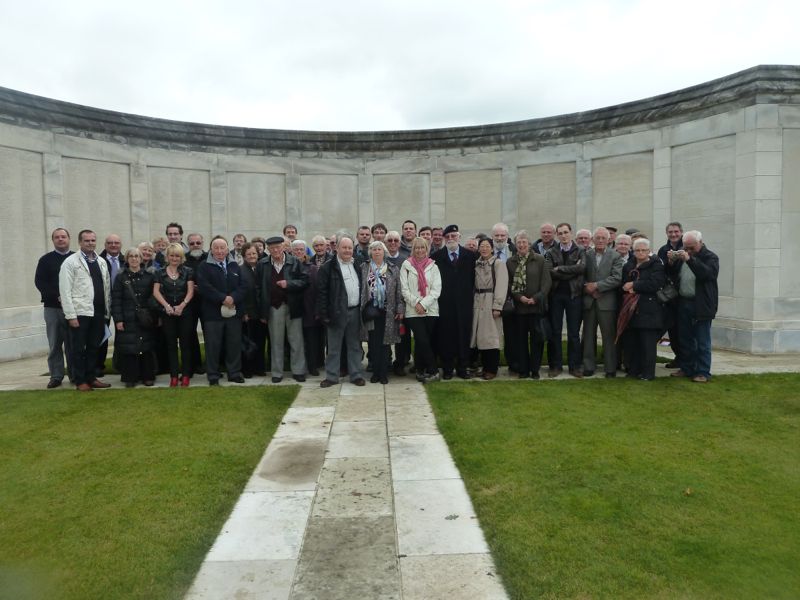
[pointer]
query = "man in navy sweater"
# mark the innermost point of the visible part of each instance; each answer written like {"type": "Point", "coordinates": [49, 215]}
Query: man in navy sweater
{"type": "Point", "coordinates": [46, 280]}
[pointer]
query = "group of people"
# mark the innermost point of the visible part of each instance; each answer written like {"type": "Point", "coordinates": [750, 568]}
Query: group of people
{"type": "Point", "coordinates": [274, 300]}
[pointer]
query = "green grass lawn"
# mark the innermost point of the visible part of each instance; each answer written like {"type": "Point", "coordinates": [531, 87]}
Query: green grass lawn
{"type": "Point", "coordinates": [622, 489]}
{"type": "Point", "coordinates": [120, 493]}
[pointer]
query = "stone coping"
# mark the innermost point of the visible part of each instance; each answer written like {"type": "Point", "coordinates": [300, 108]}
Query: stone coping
{"type": "Point", "coordinates": [757, 85]}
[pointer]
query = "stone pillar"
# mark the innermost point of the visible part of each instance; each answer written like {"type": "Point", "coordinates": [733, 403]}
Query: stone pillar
{"type": "Point", "coordinates": [508, 208]}
{"type": "Point", "coordinates": [294, 203]}
{"type": "Point", "coordinates": [438, 198]}
{"type": "Point", "coordinates": [756, 284]}
{"type": "Point", "coordinates": [584, 216]}
{"type": "Point", "coordinates": [140, 206]}
{"type": "Point", "coordinates": [219, 203]}
{"type": "Point", "coordinates": [662, 193]}
{"type": "Point", "coordinates": [53, 185]}
{"type": "Point", "coordinates": [366, 205]}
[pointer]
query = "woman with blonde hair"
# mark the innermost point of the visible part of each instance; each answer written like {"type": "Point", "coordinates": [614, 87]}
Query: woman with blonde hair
{"type": "Point", "coordinates": [421, 285]}
{"type": "Point", "coordinates": [174, 290]}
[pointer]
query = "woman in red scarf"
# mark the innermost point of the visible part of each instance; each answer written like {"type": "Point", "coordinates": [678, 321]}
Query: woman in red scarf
{"type": "Point", "coordinates": [421, 285]}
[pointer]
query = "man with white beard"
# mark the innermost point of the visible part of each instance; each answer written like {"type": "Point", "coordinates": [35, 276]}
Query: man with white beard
{"type": "Point", "coordinates": [195, 257]}
{"type": "Point", "coordinates": [503, 250]}
{"type": "Point", "coordinates": [457, 269]}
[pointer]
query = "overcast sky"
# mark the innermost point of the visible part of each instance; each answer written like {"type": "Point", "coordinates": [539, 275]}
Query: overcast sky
{"type": "Point", "coordinates": [345, 65]}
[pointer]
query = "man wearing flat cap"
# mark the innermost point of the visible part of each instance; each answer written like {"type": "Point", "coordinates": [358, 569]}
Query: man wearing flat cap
{"type": "Point", "coordinates": [457, 268]}
{"type": "Point", "coordinates": [281, 282]}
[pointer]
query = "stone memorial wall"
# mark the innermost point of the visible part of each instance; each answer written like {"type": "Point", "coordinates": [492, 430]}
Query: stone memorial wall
{"type": "Point", "coordinates": [722, 157]}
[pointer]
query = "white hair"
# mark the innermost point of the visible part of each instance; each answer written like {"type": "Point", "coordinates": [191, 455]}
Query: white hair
{"type": "Point", "coordinates": [500, 227]}
{"type": "Point", "coordinates": [641, 242]}
{"type": "Point", "coordinates": [693, 234]}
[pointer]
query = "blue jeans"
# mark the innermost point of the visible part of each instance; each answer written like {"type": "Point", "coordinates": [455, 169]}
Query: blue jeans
{"type": "Point", "coordinates": [695, 340]}
{"type": "Point", "coordinates": [573, 307]}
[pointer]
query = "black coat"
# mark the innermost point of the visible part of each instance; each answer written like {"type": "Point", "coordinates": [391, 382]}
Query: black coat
{"type": "Point", "coordinates": [647, 279]}
{"type": "Point", "coordinates": [214, 284]}
{"type": "Point", "coordinates": [705, 266]}
{"type": "Point", "coordinates": [572, 270]}
{"type": "Point", "coordinates": [458, 293]}
{"type": "Point", "coordinates": [332, 295]}
{"type": "Point", "coordinates": [250, 302]}
{"type": "Point", "coordinates": [134, 339]}
{"type": "Point", "coordinates": [296, 283]}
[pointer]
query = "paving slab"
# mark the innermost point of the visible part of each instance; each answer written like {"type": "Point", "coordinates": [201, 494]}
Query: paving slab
{"type": "Point", "coordinates": [419, 457]}
{"type": "Point", "coordinates": [360, 408]}
{"type": "Point", "coordinates": [436, 517]}
{"type": "Point", "coordinates": [306, 422]}
{"type": "Point", "coordinates": [397, 394]}
{"type": "Point", "coordinates": [455, 576]}
{"type": "Point", "coordinates": [263, 526]}
{"type": "Point", "coordinates": [354, 487]}
{"type": "Point", "coordinates": [244, 580]}
{"type": "Point", "coordinates": [410, 419]}
{"type": "Point", "coordinates": [358, 439]}
{"type": "Point", "coordinates": [289, 464]}
{"type": "Point", "coordinates": [371, 389]}
{"type": "Point", "coordinates": [348, 559]}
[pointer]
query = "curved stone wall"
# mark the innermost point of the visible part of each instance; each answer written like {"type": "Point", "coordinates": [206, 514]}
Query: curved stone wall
{"type": "Point", "coordinates": [722, 157]}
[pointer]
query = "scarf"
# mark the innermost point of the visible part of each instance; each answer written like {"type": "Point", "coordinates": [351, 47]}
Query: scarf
{"type": "Point", "coordinates": [420, 265]}
{"type": "Point", "coordinates": [377, 282]}
{"type": "Point", "coordinates": [520, 282]}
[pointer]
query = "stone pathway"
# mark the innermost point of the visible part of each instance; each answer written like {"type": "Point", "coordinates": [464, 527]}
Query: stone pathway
{"type": "Point", "coordinates": [356, 497]}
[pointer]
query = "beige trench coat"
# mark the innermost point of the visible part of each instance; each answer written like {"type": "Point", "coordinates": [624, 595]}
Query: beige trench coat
{"type": "Point", "coordinates": [486, 329]}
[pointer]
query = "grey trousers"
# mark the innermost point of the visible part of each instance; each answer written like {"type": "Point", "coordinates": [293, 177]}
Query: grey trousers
{"type": "Point", "coordinates": [58, 341]}
{"type": "Point", "coordinates": [349, 331]}
{"type": "Point", "coordinates": [226, 333]}
{"type": "Point", "coordinates": [607, 320]}
{"type": "Point", "coordinates": [280, 326]}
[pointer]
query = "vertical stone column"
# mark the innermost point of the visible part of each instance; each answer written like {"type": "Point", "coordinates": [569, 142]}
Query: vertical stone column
{"type": "Point", "coordinates": [583, 194]}
{"type": "Point", "coordinates": [294, 202]}
{"type": "Point", "coordinates": [508, 210]}
{"type": "Point", "coordinates": [366, 204]}
{"type": "Point", "coordinates": [759, 181]}
{"type": "Point", "coordinates": [662, 192]}
{"type": "Point", "coordinates": [219, 202]}
{"type": "Point", "coordinates": [438, 197]}
{"type": "Point", "coordinates": [140, 206]}
{"type": "Point", "coordinates": [53, 184]}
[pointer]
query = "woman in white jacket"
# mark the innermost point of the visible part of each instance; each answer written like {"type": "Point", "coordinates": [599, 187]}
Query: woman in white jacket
{"type": "Point", "coordinates": [421, 285]}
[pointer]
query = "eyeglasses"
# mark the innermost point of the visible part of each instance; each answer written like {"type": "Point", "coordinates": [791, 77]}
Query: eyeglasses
{"type": "Point", "coordinates": [392, 241]}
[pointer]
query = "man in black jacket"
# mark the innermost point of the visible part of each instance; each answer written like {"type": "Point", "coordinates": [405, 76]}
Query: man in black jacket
{"type": "Point", "coordinates": [697, 306]}
{"type": "Point", "coordinates": [281, 282]}
{"type": "Point", "coordinates": [46, 280]}
{"type": "Point", "coordinates": [668, 253]}
{"type": "Point", "coordinates": [338, 307]}
{"type": "Point", "coordinates": [567, 264]}
{"type": "Point", "coordinates": [222, 291]}
{"type": "Point", "coordinates": [454, 329]}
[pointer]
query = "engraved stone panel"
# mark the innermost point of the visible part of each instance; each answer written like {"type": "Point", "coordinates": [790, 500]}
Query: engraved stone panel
{"type": "Point", "coordinates": [256, 204]}
{"type": "Point", "coordinates": [402, 196]}
{"type": "Point", "coordinates": [790, 241]}
{"type": "Point", "coordinates": [182, 196]}
{"type": "Point", "coordinates": [704, 196]}
{"type": "Point", "coordinates": [22, 227]}
{"type": "Point", "coordinates": [97, 195]}
{"type": "Point", "coordinates": [622, 192]}
{"type": "Point", "coordinates": [330, 202]}
{"type": "Point", "coordinates": [546, 194]}
{"type": "Point", "coordinates": [473, 200]}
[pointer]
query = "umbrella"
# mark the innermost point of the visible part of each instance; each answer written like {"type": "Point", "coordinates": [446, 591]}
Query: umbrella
{"type": "Point", "coordinates": [629, 303]}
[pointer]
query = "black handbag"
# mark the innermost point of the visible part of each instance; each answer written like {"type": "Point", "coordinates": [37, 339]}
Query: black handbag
{"type": "Point", "coordinates": [371, 312]}
{"type": "Point", "coordinates": [667, 293]}
{"type": "Point", "coordinates": [144, 316]}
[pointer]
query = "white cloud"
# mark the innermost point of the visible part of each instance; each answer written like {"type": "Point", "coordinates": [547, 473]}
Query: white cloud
{"type": "Point", "coordinates": [381, 65]}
